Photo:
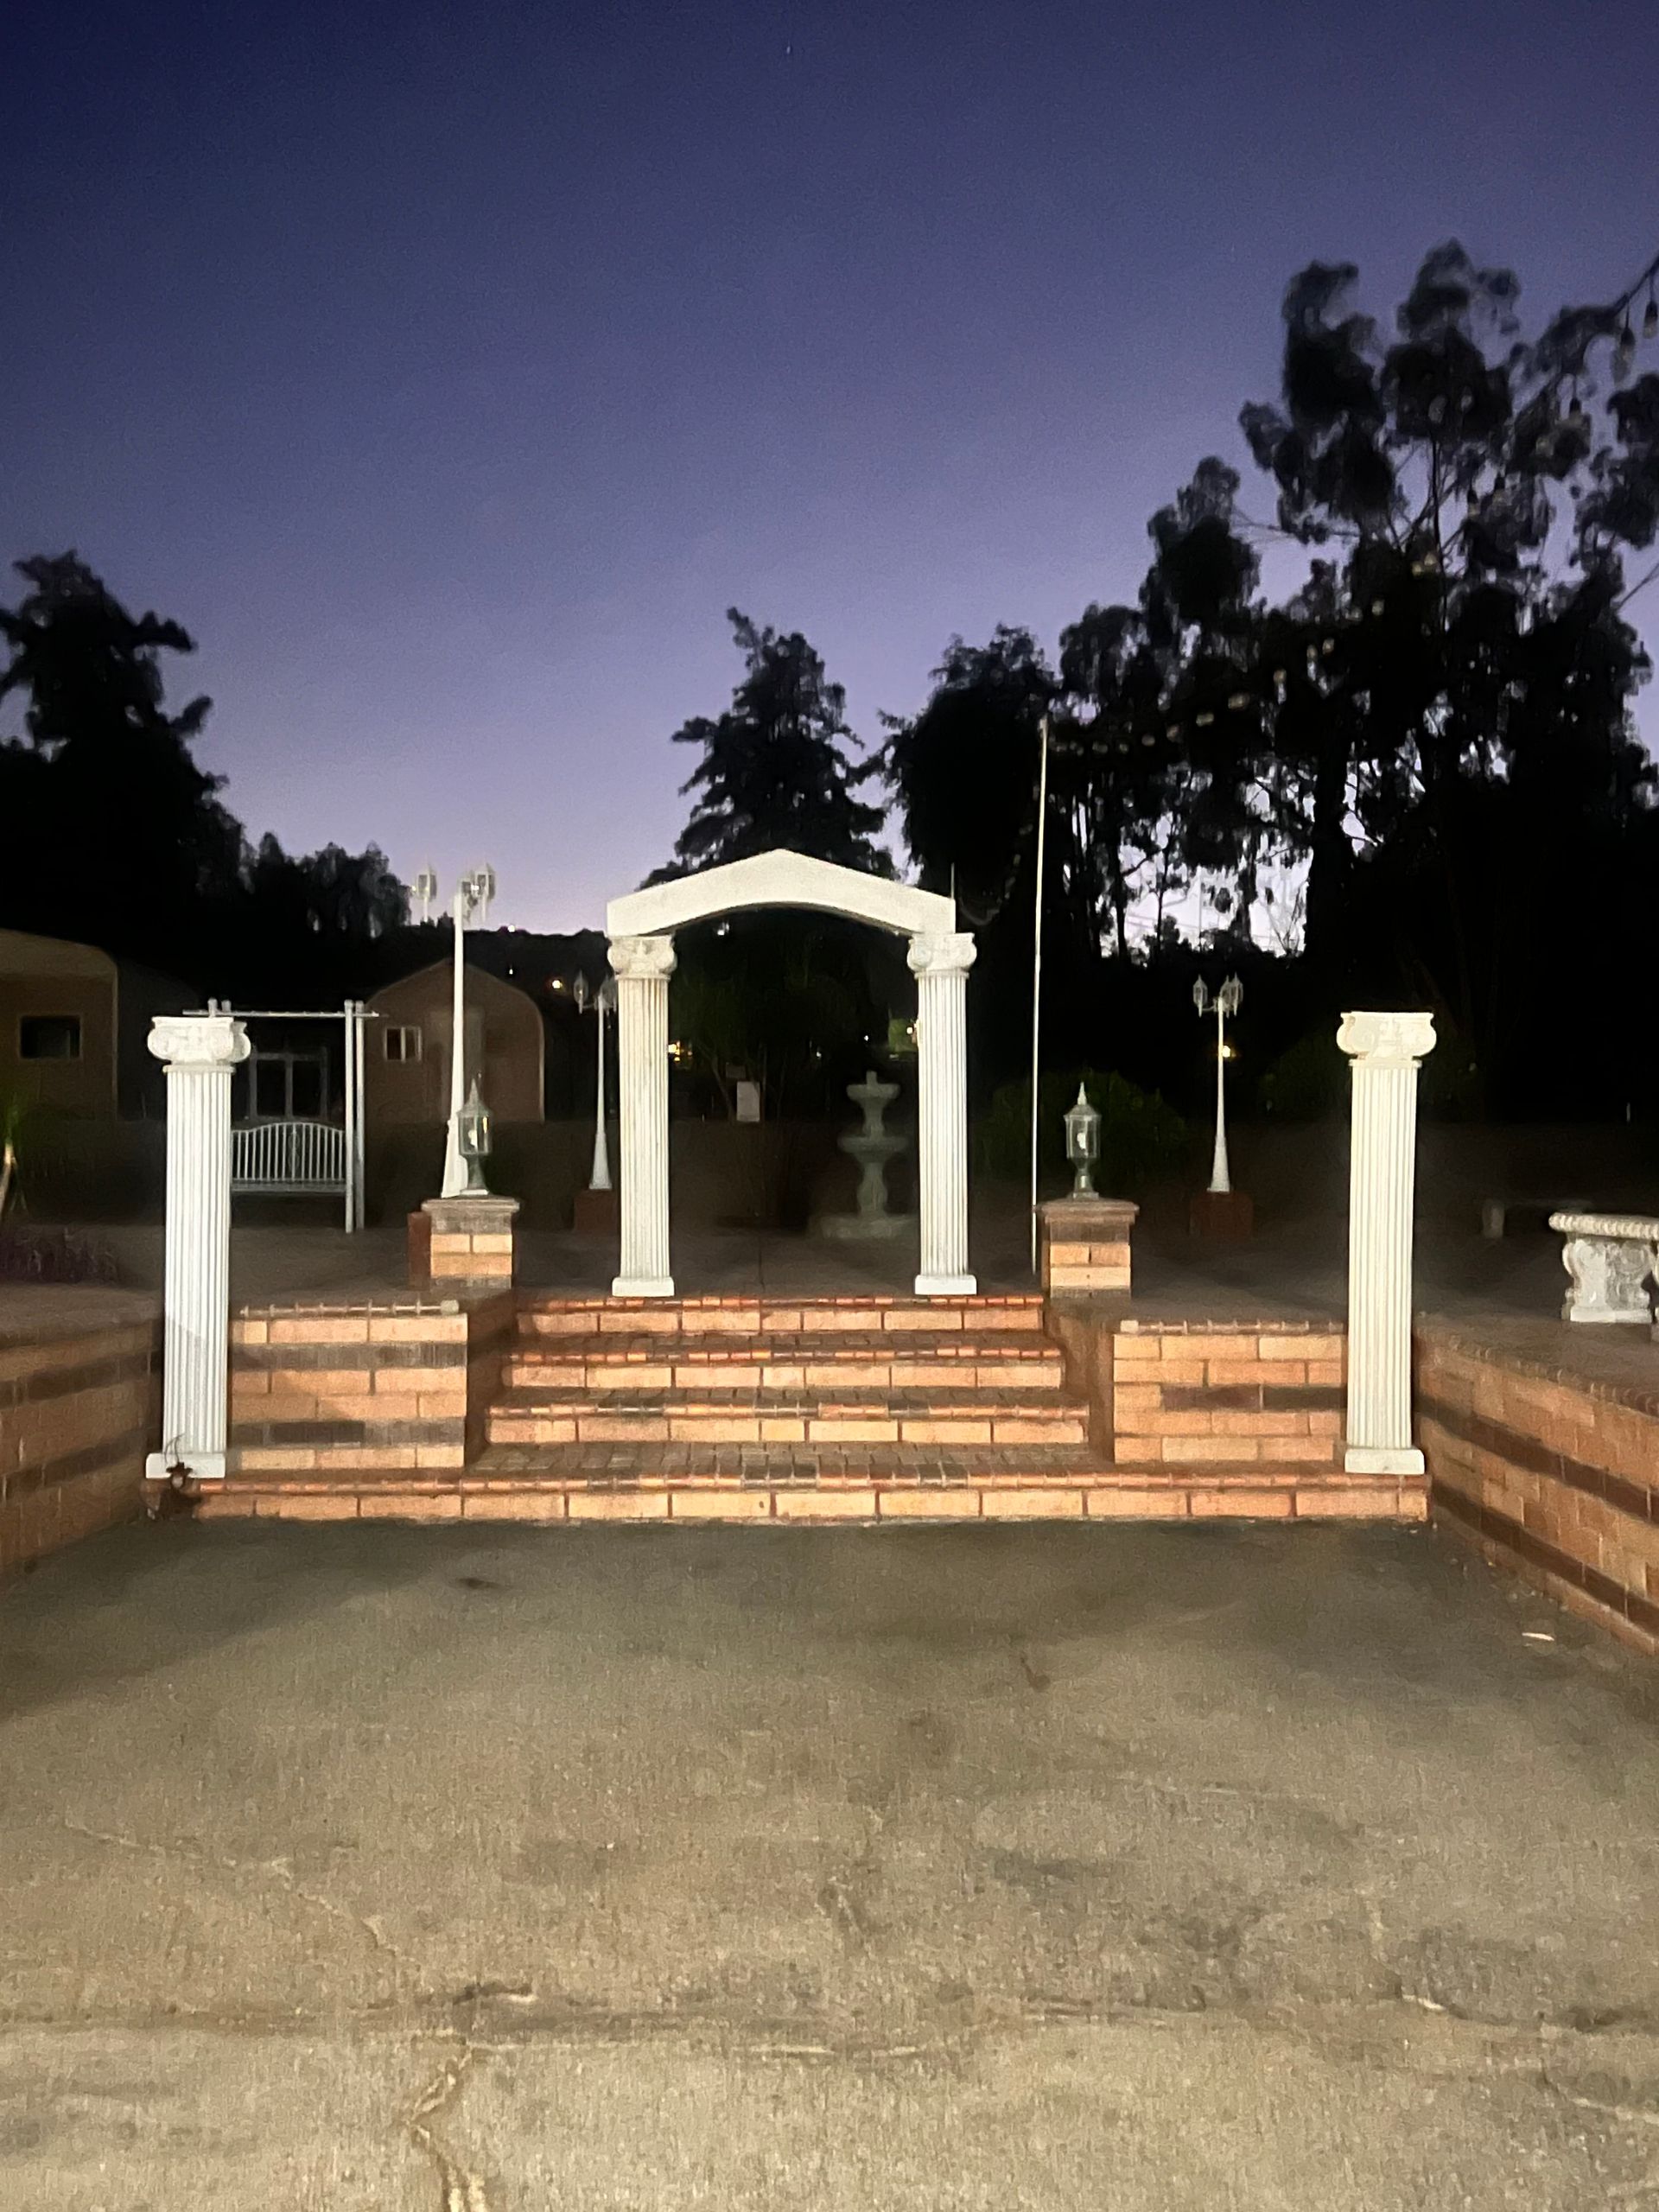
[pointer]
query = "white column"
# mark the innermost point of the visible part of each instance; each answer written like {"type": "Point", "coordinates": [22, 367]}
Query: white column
{"type": "Point", "coordinates": [199, 1051]}
{"type": "Point", "coordinates": [360, 1164]}
{"type": "Point", "coordinates": [599, 1180]}
{"type": "Point", "coordinates": [1386, 1049]}
{"type": "Point", "coordinates": [642, 966]}
{"type": "Point", "coordinates": [940, 965]}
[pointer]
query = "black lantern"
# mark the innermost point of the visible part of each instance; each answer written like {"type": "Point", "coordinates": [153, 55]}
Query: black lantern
{"type": "Point", "coordinates": [472, 1136]}
{"type": "Point", "coordinates": [1083, 1144]}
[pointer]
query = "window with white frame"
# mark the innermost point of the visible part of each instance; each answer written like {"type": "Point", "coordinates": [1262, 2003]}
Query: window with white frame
{"type": "Point", "coordinates": [403, 1041]}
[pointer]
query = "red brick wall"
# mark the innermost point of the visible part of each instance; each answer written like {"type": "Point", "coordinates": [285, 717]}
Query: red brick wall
{"type": "Point", "coordinates": [401, 1385]}
{"type": "Point", "coordinates": [79, 1410]}
{"type": "Point", "coordinates": [1548, 1474]}
{"type": "Point", "coordinates": [1228, 1393]}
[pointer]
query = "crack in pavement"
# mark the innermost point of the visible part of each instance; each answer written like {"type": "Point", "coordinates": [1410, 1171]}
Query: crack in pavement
{"type": "Point", "coordinates": [276, 1870]}
{"type": "Point", "coordinates": [1644, 2191]}
{"type": "Point", "coordinates": [463, 2191]}
{"type": "Point", "coordinates": [1639, 2115]}
{"type": "Point", "coordinates": [517, 2015]}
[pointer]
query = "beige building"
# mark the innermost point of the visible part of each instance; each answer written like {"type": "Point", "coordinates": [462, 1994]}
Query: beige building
{"type": "Point", "coordinates": [60, 1009]}
{"type": "Point", "coordinates": [406, 1052]}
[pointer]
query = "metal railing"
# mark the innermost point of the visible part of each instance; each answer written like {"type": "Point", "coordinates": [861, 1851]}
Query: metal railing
{"type": "Point", "coordinates": [288, 1159]}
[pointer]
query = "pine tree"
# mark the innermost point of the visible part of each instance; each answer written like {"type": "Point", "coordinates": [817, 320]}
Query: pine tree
{"type": "Point", "coordinates": [775, 770]}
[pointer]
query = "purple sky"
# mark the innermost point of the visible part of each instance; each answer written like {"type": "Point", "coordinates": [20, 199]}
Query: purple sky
{"type": "Point", "coordinates": [449, 369]}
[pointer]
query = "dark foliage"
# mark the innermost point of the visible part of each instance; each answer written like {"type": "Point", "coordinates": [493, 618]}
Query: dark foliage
{"type": "Point", "coordinates": [774, 770]}
{"type": "Point", "coordinates": [112, 834]}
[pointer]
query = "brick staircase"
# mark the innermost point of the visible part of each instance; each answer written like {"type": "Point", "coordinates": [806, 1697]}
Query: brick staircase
{"type": "Point", "coordinates": [837, 1407]}
{"type": "Point", "coordinates": [817, 1408]}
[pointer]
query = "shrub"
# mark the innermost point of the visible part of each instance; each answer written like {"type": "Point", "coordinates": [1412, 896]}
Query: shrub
{"type": "Point", "coordinates": [53, 1255]}
{"type": "Point", "coordinates": [1309, 1082]}
{"type": "Point", "coordinates": [1142, 1139]}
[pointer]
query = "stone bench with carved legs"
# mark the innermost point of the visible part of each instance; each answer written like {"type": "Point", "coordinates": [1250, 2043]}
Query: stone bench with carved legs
{"type": "Point", "coordinates": [1611, 1259]}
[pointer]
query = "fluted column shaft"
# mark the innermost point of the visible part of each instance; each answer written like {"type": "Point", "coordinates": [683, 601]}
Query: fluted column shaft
{"type": "Point", "coordinates": [200, 1052]}
{"type": "Point", "coordinates": [642, 966]}
{"type": "Point", "coordinates": [1386, 1049]}
{"type": "Point", "coordinates": [940, 965]}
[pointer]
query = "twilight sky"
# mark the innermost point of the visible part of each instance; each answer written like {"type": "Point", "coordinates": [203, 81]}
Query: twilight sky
{"type": "Point", "coordinates": [448, 369]}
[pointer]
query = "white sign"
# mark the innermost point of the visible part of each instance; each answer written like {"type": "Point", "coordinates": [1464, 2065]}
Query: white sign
{"type": "Point", "coordinates": [748, 1102]}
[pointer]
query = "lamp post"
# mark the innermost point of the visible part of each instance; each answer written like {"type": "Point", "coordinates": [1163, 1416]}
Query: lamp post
{"type": "Point", "coordinates": [1037, 974]}
{"type": "Point", "coordinates": [473, 1128]}
{"type": "Point", "coordinates": [604, 1002]}
{"type": "Point", "coordinates": [1224, 1004]}
{"type": "Point", "coordinates": [471, 903]}
{"type": "Point", "coordinates": [1083, 1144]}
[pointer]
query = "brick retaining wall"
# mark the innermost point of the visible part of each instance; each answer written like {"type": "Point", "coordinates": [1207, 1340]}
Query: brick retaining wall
{"type": "Point", "coordinates": [80, 1408]}
{"type": "Point", "coordinates": [382, 1385]}
{"type": "Point", "coordinates": [1228, 1393]}
{"type": "Point", "coordinates": [1553, 1475]}
{"type": "Point", "coordinates": [1192, 1392]}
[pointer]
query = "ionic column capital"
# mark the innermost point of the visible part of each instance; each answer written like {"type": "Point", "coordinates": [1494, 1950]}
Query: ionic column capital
{"type": "Point", "coordinates": [1398, 1040]}
{"type": "Point", "coordinates": [642, 958]}
{"type": "Point", "coordinates": [198, 1042]}
{"type": "Point", "coordinates": [951, 953]}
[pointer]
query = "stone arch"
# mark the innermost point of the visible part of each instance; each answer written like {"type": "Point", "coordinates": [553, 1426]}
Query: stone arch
{"type": "Point", "coordinates": [640, 927]}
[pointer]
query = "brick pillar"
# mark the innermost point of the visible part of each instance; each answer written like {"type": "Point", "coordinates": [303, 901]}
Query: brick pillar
{"type": "Point", "coordinates": [1085, 1245]}
{"type": "Point", "coordinates": [471, 1246]}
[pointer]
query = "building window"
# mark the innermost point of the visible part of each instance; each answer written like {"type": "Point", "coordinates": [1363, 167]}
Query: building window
{"type": "Point", "coordinates": [402, 1044]}
{"type": "Point", "coordinates": [48, 1037]}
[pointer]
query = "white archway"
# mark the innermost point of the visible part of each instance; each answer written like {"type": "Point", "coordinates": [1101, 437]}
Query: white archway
{"type": "Point", "coordinates": [640, 928]}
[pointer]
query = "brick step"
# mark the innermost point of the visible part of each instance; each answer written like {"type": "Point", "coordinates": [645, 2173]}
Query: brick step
{"type": "Point", "coordinates": [847, 1416]}
{"type": "Point", "coordinates": [899, 1463]}
{"type": "Point", "coordinates": [779, 1317]}
{"type": "Point", "coordinates": [693, 1483]}
{"type": "Point", "coordinates": [883, 1461]}
{"type": "Point", "coordinates": [1007, 1359]}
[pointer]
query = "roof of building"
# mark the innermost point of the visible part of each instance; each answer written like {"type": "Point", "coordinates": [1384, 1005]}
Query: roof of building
{"type": "Point", "coordinates": [21, 954]}
{"type": "Point", "coordinates": [439, 975]}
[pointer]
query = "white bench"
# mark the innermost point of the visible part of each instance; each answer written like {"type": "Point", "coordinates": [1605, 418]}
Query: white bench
{"type": "Point", "coordinates": [287, 1160]}
{"type": "Point", "coordinates": [1495, 1213]}
{"type": "Point", "coordinates": [1612, 1263]}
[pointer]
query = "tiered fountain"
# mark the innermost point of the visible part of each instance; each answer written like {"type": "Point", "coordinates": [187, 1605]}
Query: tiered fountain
{"type": "Point", "coordinates": [872, 1145]}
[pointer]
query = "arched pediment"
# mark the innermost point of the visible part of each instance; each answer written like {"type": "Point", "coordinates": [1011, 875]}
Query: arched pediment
{"type": "Point", "coordinates": [781, 879]}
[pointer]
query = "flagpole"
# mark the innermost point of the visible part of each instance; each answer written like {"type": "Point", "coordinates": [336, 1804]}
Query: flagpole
{"type": "Point", "coordinates": [1037, 978]}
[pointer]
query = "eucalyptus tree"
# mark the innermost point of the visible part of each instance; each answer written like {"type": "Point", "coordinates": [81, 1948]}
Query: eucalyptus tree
{"type": "Point", "coordinates": [1448, 695]}
{"type": "Point", "coordinates": [1171, 766]}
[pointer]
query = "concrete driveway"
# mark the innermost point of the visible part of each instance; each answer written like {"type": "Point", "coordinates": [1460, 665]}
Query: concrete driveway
{"type": "Point", "coordinates": [370, 1868]}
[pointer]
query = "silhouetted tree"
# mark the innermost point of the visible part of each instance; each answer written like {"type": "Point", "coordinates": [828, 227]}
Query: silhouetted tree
{"type": "Point", "coordinates": [112, 828]}
{"type": "Point", "coordinates": [1448, 698]}
{"type": "Point", "coordinates": [110, 832]}
{"type": "Point", "coordinates": [775, 770]}
{"type": "Point", "coordinates": [963, 771]}
{"type": "Point", "coordinates": [1422, 751]}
